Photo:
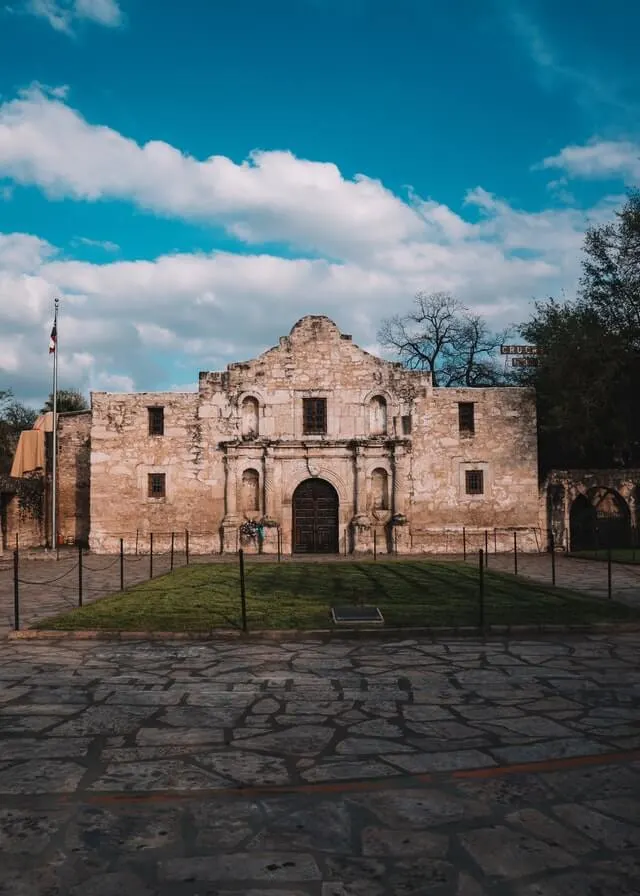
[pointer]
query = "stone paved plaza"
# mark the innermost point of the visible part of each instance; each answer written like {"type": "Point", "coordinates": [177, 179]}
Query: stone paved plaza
{"type": "Point", "coordinates": [309, 769]}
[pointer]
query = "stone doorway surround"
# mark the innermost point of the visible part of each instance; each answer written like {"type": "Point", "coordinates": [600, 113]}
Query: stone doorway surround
{"type": "Point", "coordinates": [346, 465]}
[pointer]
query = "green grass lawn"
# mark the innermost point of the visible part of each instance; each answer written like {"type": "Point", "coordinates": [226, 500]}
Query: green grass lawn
{"type": "Point", "coordinates": [618, 555]}
{"type": "Point", "coordinates": [300, 595]}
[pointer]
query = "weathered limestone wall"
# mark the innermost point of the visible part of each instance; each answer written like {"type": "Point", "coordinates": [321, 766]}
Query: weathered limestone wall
{"type": "Point", "coordinates": [503, 446]}
{"type": "Point", "coordinates": [123, 454]}
{"type": "Point", "coordinates": [236, 451]}
{"type": "Point", "coordinates": [74, 451]}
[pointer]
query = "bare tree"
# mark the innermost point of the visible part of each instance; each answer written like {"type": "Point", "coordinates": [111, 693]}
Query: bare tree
{"type": "Point", "coordinates": [440, 335]}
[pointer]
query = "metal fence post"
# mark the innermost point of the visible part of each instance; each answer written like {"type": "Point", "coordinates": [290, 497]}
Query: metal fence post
{"type": "Point", "coordinates": [173, 544]}
{"type": "Point", "coordinates": [395, 539]}
{"type": "Point", "coordinates": [495, 540]}
{"type": "Point", "coordinates": [486, 547]}
{"type": "Point", "coordinates": [552, 548]}
{"type": "Point", "coordinates": [481, 562]}
{"type": "Point", "coordinates": [279, 540]}
{"type": "Point", "coordinates": [515, 553]}
{"type": "Point", "coordinates": [186, 545]}
{"type": "Point", "coordinates": [464, 543]}
{"type": "Point", "coordinates": [79, 575]}
{"type": "Point", "coordinates": [243, 595]}
{"type": "Point", "coordinates": [137, 536]}
{"type": "Point", "coordinates": [122, 564]}
{"type": "Point", "coordinates": [16, 590]}
{"type": "Point", "coordinates": [151, 555]}
{"type": "Point", "coordinates": [375, 544]}
{"type": "Point", "coordinates": [609, 573]}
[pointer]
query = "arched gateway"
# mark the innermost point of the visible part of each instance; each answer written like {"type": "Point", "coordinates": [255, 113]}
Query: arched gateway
{"type": "Point", "coordinates": [315, 518]}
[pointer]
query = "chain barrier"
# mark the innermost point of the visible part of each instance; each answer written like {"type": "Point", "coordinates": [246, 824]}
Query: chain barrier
{"type": "Point", "coordinates": [50, 581]}
{"type": "Point", "coordinates": [100, 568]}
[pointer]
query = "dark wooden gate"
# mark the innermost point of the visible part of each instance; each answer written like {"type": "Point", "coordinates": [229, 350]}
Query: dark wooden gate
{"type": "Point", "coordinates": [315, 518]}
{"type": "Point", "coordinates": [607, 524]}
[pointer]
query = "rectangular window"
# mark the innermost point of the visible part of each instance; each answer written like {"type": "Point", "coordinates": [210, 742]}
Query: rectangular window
{"type": "Point", "coordinates": [314, 421]}
{"type": "Point", "coordinates": [156, 421]}
{"type": "Point", "coordinates": [474, 482]}
{"type": "Point", "coordinates": [406, 425]}
{"type": "Point", "coordinates": [157, 485]}
{"type": "Point", "coordinates": [466, 418]}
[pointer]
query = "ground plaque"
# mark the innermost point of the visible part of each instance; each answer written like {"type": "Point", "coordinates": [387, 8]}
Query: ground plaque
{"type": "Point", "coordinates": [357, 616]}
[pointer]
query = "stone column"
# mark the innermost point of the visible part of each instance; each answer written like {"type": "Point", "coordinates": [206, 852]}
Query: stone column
{"type": "Point", "coordinates": [270, 511]}
{"type": "Point", "coordinates": [269, 508]}
{"type": "Point", "coordinates": [361, 524]}
{"type": "Point", "coordinates": [400, 535]}
{"type": "Point", "coordinates": [231, 520]}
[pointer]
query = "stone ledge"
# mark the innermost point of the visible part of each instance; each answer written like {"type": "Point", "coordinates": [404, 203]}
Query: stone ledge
{"type": "Point", "coordinates": [329, 634]}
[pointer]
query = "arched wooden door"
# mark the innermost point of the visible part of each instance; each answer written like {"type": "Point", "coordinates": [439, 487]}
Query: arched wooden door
{"type": "Point", "coordinates": [315, 518]}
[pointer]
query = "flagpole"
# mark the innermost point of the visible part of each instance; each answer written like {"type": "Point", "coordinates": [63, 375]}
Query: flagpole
{"type": "Point", "coordinates": [54, 471]}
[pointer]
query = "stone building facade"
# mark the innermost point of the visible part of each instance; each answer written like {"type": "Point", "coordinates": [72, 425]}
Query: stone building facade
{"type": "Point", "coordinates": [321, 445]}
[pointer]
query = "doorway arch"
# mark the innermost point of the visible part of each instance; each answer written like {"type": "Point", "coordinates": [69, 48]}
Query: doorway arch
{"type": "Point", "coordinates": [600, 519]}
{"type": "Point", "coordinates": [582, 521]}
{"type": "Point", "coordinates": [315, 518]}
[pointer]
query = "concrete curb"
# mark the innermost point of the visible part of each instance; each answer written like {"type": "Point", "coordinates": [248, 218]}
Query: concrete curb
{"type": "Point", "coordinates": [596, 628]}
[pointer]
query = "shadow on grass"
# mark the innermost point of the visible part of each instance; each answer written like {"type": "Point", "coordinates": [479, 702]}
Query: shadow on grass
{"type": "Point", "coordinates": [281, 596]}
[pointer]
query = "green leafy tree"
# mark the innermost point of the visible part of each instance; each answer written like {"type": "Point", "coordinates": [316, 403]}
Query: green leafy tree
{"type": "Point", "coordinates": [14, 418]}
{"type": "Point", "coordinates": [68, 400]}
{"type": "Point", "coordinates": [588, 379]}
{"type": "Point", "coordinates": [610, 285]}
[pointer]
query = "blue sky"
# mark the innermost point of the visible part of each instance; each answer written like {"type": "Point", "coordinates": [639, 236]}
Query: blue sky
{"type": "Point", "coordinates": [191, 178]}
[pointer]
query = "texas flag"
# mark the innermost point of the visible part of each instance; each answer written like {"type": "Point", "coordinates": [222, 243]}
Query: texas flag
{"type": "Point", "coordinates": [53, 339]}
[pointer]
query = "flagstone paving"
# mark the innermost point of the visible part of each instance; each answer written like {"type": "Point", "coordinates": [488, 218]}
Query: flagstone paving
{"type": "Point", "coordinates": [311, 769]}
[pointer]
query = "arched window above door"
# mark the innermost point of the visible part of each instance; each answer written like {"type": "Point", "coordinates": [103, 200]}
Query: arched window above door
{"type": "Point", "coordinates": [378, 416]}
{"type": "Point", "coordinates": [250, 417]}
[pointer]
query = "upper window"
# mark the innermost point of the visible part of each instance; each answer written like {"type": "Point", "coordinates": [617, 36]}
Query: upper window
{"type": "Point", "coordinates": [314, 420]}
{"type": "Point", "coordinates": [156, 421]}
{"type": "Point", "coordinates": [474, 482]}
{"type": "Point", "coordinates": [157, 484]}
{"type": "Point", "coordinates": [466, 418]}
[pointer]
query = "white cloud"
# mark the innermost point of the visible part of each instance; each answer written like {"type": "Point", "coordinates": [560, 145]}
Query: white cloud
{"type": "Point", "coordinates": [62, 15]}
{"type": "Point", "coordinates": [599, 159]}
{"type": "Point", "coordinates": [271, 196]}
{"type": "Point", "coordinates": [107, 245]}
{"type": "Point", "coordinates": [22, 253]}
{"type": "Point", "coordinates": [149, 323]}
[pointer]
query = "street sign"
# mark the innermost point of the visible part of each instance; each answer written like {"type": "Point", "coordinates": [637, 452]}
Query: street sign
{"type": "Point", "coordinates": [520, 350]}
{"type": "Point", "coordinates": [524, 362]}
